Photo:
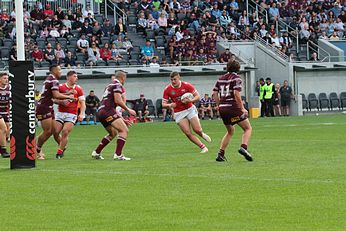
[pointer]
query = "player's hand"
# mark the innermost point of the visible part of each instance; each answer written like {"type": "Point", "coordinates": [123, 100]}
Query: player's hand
{"type": "Point", "coordinates": [245, 112]}
{"type": "Point", "coordinates": [71, 98]}
{"type": "Point", "coordinates": [186, 101]}
{"type": "Point", "coordinates": [132, 112]}
{"type": "Point", "coordinates": [128, 122]}
{"type": "Point", "coordinates": [64, 102]}
{"type": "Point", "coordinates": [173, 105]}
{"type": "Point", "coordinates": [80, 118]}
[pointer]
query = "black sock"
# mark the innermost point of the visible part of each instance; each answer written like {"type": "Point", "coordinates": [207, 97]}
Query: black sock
{"type": "Point", "coordinates": [244, 146]}
{"type": "Point", "coordinates": [221, 152]}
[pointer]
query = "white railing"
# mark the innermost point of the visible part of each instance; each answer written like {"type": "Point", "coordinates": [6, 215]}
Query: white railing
{"type": "Point", "coordinates": [112, 7]}
{"type": "Point", "coordinates": [30, 4]}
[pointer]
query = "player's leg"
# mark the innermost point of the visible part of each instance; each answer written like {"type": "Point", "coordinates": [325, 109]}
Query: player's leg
{"type": "Point", "coordinates": [247, 131]}
{"type": "Point", "coordinates": [184, 125]}
{"type": "Point", "coordinates": [7, 131]}
{"type": "Point", "coordinates": [58, 126]}
{"type": "Point", "coordinates": [123, 131]}
{"type": "Point", "coordinates": [197, 128]}
{"type": "Point", "coordinates": [67, 128]}
{"type": "Point", "coordinates": [112, 132]}
{"type": "Point", "coordinates": [146, 114]}
{"type": "Point", "coordinates": [224, 142]}
{"type": "Point", "coordinates": [211, 115]}
{"type": "Point", "coordinates": [202, 112]}
{"type": "Point", "coordinates": [3, 132]}
{"type": "Point", "coordinates": [47, 131]}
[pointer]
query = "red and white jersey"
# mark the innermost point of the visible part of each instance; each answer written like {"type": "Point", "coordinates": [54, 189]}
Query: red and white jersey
{"type": "Point", "coordinates": [78, 94]}
{"type": "Point", "coordinates": [174, 94]}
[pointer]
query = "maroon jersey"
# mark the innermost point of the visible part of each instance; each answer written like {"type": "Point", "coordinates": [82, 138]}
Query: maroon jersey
{"type": "Point", "coordinates": [107, 102]}
{"type": "Point", "coordinates": [46, 101]}
{"type": "Point", "coordinates": [4, 103]}
{"type": "Point", "coordinates": [225, 86]}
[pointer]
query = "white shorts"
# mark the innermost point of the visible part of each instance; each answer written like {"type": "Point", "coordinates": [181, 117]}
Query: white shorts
{"type": "Point", "coordinates": [188, 114]}
{"type": "Point", "coordinates": [63, 117]}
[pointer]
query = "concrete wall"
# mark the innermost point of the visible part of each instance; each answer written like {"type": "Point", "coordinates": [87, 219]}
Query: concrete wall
{"type": "Point", "coordinates": [337, 54]}
{"type": "Point", "coordinates": [317, 81]}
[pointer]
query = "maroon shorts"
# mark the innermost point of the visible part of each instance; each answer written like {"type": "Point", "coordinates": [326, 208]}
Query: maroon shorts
{"type": "Point", "coordinates": [106, 117]}
{"type": "Point", "coordinates": [5, 117]}
{"type": "Point", "coordinates": [231, 116]}
{"type": "Point", "coordinates": [44, 114]}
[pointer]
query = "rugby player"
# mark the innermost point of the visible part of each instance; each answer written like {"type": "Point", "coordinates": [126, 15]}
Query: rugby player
{"type": "Point", "coordinates": [44, 109]}
{"type": "Point", "coordinates": [185, 112]}
{"type": "Point", "coordinates": [111, 119]}
{"type": "Point", "coordinates": [4, 113]}
{"type": "Point", "coordinates": [67, 114]}
{"type": "Point", "coordinates": [226, 94]}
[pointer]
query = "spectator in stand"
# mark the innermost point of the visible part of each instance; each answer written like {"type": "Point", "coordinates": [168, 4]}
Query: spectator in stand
{"type": "Point", "coordinates": [49, 54]}
{"type": "Point", "coordinates": [162, 21]}
{"type": "Point", "coordinates": [90, 19]}
{"type": "Point", "coordinates": [314, 57]}
{"type": "Point", "coordinates": [67, 22]}
{"type": "Point", "coordinates": [13, 53]}
{"type": "Point", "coordinates": [97, 31]}
{"type": "Point", "coordinates": [70, 61]}
{"type": "Point", "coordinates": [93, 54]}
{"type": "Point", "coordinates": [141, 108]}
{"type": "Point", "coordinates": [147, 51]}
{"type": "Point", "coordinates": [263, 32]}
{"type": "Point", "coordinates": [201, 57]}
{"type": "Point", "coordinates": [285, 40]}
{"type": "Point", "coordinates": [172, 20]}
{"type": "Point", "coordinates": [225, 56]}
{"type": "Point", "coordinates": [88, 11]}
{"type": "Point", "coordinates": [276, 100]}
{"type": "Point", "coordinates": [225, 19]}
{"type": "Point", "coordinates": [92, 102]}
{"type": "Point", "coordinates": [37, 15]}
{"type": "Point", "coordinates": [86, 29]}
{"type": "Point", "coordinates": [206, 107]}
{"type": "Point", "coordinates": [120, 28]}
{"type": "Point", "coordinates": [142, 23]}
{"type": "Point", "coordinates": [154, 62]}
{"type": "Point", "coordinates": [115, 54]}
{"type": "Point", "coordinates": [334, 36]}
{"type": "Point", "coordinates": [175, 6]}
{"type": "Point", "coordinates": [60, 13]}
{"type": "Point", "coordinates": [107, 28]}
{"type": "Point", "coordinates": [105, 53]}
{"type": "Point", "coordinates": [44, 33]}
{"type": "Point", "coordinates": [216, 12]}
{"type": "Point", "coordinates": [48, 11]}
{"type": "Point", "coordinates": [276, 41]}
{"type": "Point", "coordinates": [120, 44]}
{"type": "Point", "coordinates": [274, 12]}
{"type": "Point", "coordinates": [59, 54]}
{"type": "Point", "coordinates": [304, 35]}
{"type": "Point", "coordinates": [82, 44]}
{"type": "Point", "coordinates": [54, 33]}
{"type": "Point", "coordinates": [127, 45]}
{"type": "Point", "coordinates": [234, 5]}
{"type": "Point", "coordinates": [47, 22]}
{"type": "Point", "coordinates": [37, 55]}
{"type": "Point", "coordinates": [152, 24]}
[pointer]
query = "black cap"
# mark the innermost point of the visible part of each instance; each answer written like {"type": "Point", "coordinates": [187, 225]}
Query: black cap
{"type": "Point", "coordinates": [268, 79]}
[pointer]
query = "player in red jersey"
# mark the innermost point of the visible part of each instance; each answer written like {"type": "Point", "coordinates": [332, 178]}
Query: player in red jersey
{"type": "Point", "coordinates": [67, 114]}
{"type": "Point", "coordinates": [185, 112]}
{"type": "Point", "coordinates": [226, 94]}
{"type": "Point", "coordinates": [44, 109]}
{"type": "Point", "coordinates": [111, 119]}
{"type": "Point", "coordinates": [4, 113]}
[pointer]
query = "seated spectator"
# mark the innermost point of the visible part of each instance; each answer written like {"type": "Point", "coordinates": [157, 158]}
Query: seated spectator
{"type": "Point", "coordinates": [152, 24]}
{"type": "Point", "coordinates": [97, 31]}
{"type": "Point", "coordinates": [120, 28]}
{"type": "Point", "coordinates": [314, 57]}
{"type": "Point", "coordinates": [60, 13]}
{"type": "Point", "coordinates": [185, 7]}
{"type": "Point", "coordinates": [82, 44]}
{"type": "Point", "coordinates": [206, 107]}
{"type": "Point", "coordinates": [141, 108]}
{"type": "Point", "coordinates": [88, 11]}
{"type": "Point", "coordinates": [334, 36]}
{"type": "Point", "coordinates": [225, 56]}
{"type": "Point", "coordinates": [201, 57]}
{"type": "Point", "coordinates": [154, 62]}
{"type": "Point", "coordinates": [276, 41]}
{"type": "Point", "coordinates": [56, 22]}
{"type": "Point", "coordinates": [225, 19]}
{"type": "Point", "coordinates": [48, 11]}
{"type": "Point", "coordinates": [54, 33]}
{"type": "Point", "coordinates": [162, 21]}
{"type": "Point", "coordinates": [120, 44]}
{"type": "Point", "coordinates": [142, 23]}
{"type": "Point", "coordinates": [175, 6]}
{"type": "Point", "coordinates": [93, 54]}
{"type": "Point", "coordinates": [90, 20]}
{"type": "Point", "coordinates": [285, 40]}
{"type": "Point", "coordinates": [59, 54]}
{"type": "Point", "coordinates": [147, 51]}
{"type": "Point", "coordinates": [70, 60]}
{"type": "Point", "coordinates": [115, 54]}
{"type": "Point", "coordinates": [49, 54]}
{"type": "Point", "coordinates": [107, 28]}
{"type": "Point", "coordinates": [127, 45]}
{"type": "Point", "coordinates": [105, 52]}
{"type": "Point", "coordinates": [37, 55]}
{"type": "Point", "coordinates": [44, 33]}
{"type": "Point", "coordinates": [86, 29]}
{"type": "Point", "coordinates": [13, 53]}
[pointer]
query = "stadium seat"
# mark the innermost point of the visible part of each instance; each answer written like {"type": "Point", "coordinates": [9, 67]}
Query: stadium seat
{"type": "Point", "coordinates": [160, 42]}
{"type": "Point", "coordinates": [324, 101]}
{"type": "Point", "coordinates": [181, 16]}
{"type": "Point", "coordinates": [41, 43]}
{"type": "Point", "coordinates": [80, 57]}
{"type": "Point", "coordinates": [45, 64]}
{"type": "Point", "coordinates": [304, 101]}
{"type": "Point", "coordinates": [133, 62]}
{"type": "Point", "coordinates": [313, 101]}
{"type": "Point", "coordinates": [5, 52]}
{"type": "Point", "coordinates": [334, 101]}
{"type": "Point", "coordinates": [343, 100]}
{"type": "Point", "coordinates": [63, 42]}
{"type": "Point", "coordinates": [99, 18]}
{"type": "Point", "coordinates": [151, 107]}
{"type": "Point", "coordinates": [101, 63]}
{"type": "Point", "coordinates": [73, 41]}
{"type": "Point", "coordinates": [75, 33]}
{"type": "Point", "coordinates": [122, 62]}
{"type": "Point", "coordinates": [132, 21]}
{"type": "Point", "coordinates": [150, 35]}
{"type": "Point", "coordinates": [158, 105]}
{"type": "Point", "coordinates": [105, 40]}
{"type": "Point", "coordinates": [52, 41]}
{"type": "Point", "coordinates": [112, 63]}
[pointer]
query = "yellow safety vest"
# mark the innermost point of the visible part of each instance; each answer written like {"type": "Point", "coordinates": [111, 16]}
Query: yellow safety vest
{"type": "Point", "coordinates": [261, 91]}
{"type": "Point", "coordinates": [269, 91]}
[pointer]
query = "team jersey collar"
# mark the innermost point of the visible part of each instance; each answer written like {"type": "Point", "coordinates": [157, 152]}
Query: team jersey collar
{"type": "Point", "coordinates": [73, 87]}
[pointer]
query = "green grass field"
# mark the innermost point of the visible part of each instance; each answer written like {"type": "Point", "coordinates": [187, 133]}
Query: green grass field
{"type": "Point", "coordinates": [296, 182]}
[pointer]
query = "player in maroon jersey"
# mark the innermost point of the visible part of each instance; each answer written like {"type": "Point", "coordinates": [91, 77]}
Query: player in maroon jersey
{"type": "Point", "coordinates": [226, 94]}
{"type": "Point", "coordinates": [4, 113]}
{"type": "Point", "coordinates": [185, 112]}
{"type": "Point", "coordinates": [111, 119]}
{"type": "Point", "coordinates": [67, 114]}
{"type": "Point", "coordinates": [44, 109]}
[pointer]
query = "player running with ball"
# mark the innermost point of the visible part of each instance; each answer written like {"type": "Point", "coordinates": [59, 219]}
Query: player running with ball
{"type": "Point", "coordinates": [186, 115]}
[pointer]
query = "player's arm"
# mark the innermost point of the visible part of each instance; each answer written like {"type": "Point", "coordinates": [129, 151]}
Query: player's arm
{"type": "Point", "coordinates": [58, 95]}
{"type": "Point", "coordinates": [63, 102]}
{"type": "Point", "coordinates": [119, 101]}
{"type": "Point", "coordinates": [196, 97]}
{"type": "Point", "coordinates": [82, 108]}
{"type": "Point", "coordinates": [165, 104]}
{"type": "Point", "coordinates": [216, 98]}
{"type": "Point", "coordinates": [239, 101]}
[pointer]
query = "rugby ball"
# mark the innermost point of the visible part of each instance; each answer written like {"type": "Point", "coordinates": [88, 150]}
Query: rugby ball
{"type": "Point", "coordinates": [187, 95]}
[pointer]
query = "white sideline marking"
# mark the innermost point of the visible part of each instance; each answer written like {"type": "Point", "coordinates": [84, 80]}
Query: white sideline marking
{"type": "Point", "coordinates": [230, 177]}
{"type": "Point", "coordinates": [299, 125]}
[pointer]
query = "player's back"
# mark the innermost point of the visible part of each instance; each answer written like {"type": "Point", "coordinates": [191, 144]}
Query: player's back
{"type": "Point", "coordinates": [226, 85]}
{"type": "Point", "coordinates": [107, 101]}
{"type": "Point", "coordinates": [49, 85]}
